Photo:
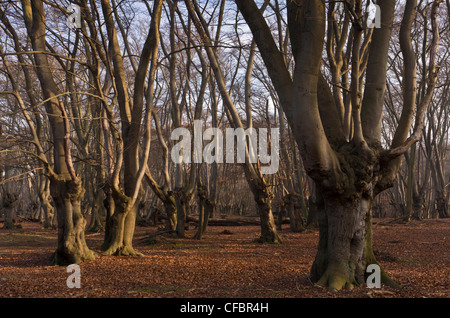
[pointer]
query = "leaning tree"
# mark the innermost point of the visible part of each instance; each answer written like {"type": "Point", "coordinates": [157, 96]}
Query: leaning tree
{"type": "Point", "coordinates": [349, 164]}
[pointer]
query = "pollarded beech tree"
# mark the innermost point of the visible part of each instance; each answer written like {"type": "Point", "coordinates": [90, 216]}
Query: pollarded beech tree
{"type": "Point", "coordinates": [349, 167]}
{"type": "Point", "coordinates": [135, 114]}
{"type": "Point", "coordinates": [65, 185]}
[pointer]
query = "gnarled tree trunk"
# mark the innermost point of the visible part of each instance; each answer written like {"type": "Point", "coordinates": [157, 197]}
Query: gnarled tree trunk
{"type": "Point", "coordinates": [65, 185]}
{"type": "Point", "coordinates": [347, 169]}
{"type": "Point", "coordinates": [339, 262]}
{"type": "Point", "coordinates": [72, 247]}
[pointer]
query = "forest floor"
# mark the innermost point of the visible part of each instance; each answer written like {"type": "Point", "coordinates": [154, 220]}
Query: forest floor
{"type": "Point", "coordinates": [226, 263]}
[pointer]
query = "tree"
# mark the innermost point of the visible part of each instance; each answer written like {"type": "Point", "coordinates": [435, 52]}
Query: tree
{"type": "Point", "coordinates": [347, 173]}
{"type": "Point", "coordinates": [65, 185]}
{"type": "Point", "coordinates": [261, 189]}
{"type": "Point", "coordinates": [132, 113]}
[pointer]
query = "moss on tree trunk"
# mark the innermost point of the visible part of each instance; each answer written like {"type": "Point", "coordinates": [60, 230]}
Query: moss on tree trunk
{"type": "Point", "coordinates": [341, 264]}
{"type": "Point", "coordinates": [345, 244]}
{"type": "Point", "coordinates": [121, 227]}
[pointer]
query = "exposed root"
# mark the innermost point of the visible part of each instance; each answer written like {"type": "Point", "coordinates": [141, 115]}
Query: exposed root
{"type": "Point", "coordinates": [68, 257]}
{"type": "Point", "coordinates": [336, 280]}
{"type": "Point", "coordinates": [385, 279]}
{"type": "Point", "coordinates": [122, 251]}
{"type": "Point", "coordinates": [269, 240]}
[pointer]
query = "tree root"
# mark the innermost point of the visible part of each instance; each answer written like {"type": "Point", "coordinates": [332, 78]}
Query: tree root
{"type": "Point", "coordinates": [335, 280]}
{"type": "Point", "coordinates": [121, 251]}
{"type": "Point", "coordinates": [385, 279]}
{"type": "Point", "coordinates": [269, 240]}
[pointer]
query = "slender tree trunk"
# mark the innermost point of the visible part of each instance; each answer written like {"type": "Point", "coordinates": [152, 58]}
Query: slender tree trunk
{"type": "Point", "coordinates": [418, 205]}
{"type": "Point", "coordinates": [181, 213]}
{"type": "Point", "coordinates": [96, 224]}
{"type": "Point", "coordinates": [296, 218]}
{"type": "Point", "coordinates": [202, 215]}
{"type": "Point", "coordinates": [263, 198]}
{"type": "Point", "coordinates": [44, 196]}
{"type": "Point", "coordinates": [280, 216]}
{"type": "Point", "coordinates": [368, 255]}
{"type": "Point", "coordinates": [408, 211]}
{"type": "Point", "coordinates": [268, 228]}
{"type": "Point", "coordinates": [171, 213]}
{"type": "Point", "coordinates": [109, 206]}
{"type": "Point", "coordinates": [10, 203]}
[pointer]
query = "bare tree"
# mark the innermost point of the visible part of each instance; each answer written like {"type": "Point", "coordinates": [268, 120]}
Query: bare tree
{"type": "Point", "coordinates": [66, 187]}
{"type": "Point", "coordinates": [259, 185]}
{"type": "Point", "coordinates": [348, 174]}
{"type": "Point", "coordinates": [132, 113]}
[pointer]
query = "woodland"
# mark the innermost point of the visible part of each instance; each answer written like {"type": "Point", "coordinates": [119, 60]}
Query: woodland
{"type": "Point", "coordinates": [346, 103]}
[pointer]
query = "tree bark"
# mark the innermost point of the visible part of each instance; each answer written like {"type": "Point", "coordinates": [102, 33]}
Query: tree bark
{"type": "Point", "coordinates": [65, 186]}
{"type": "Point", "coordinates": [10, 203]}
{"type": "Point", "coordinates": [348, 174]}
{"type": "Point", "coordinates": [339, 261]}
{"type": "Point", "coordinates": [262, 192]}
{"type": "Point", "coordinates": [345, 244]}
{"type": "Point", "coordinates": [44, 196]}
{"type": "Point", "coordinates": [296, 218]}
{"type": "Point", "coordinates": [97, 209]}
{"type": "Point", "coordinates": [132, 113]}
{"type": "Point", "coordinates": [72, 247]}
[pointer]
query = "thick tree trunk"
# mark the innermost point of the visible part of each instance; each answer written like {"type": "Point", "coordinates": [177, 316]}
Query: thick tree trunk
{"type": "Point", "coordinates": [121, 224]}
{"type": "Point", "coordinates": [65, 187]}
{"type": "Point", "coordinates": [345, 244]}
{"type": "Point", "coordinates": [339, 262]}
{"type": "Point", "coordinates": [72, 247]}
{"type": "Point", "coordinates": [119, 242]}
{"type": "Point", "coordinates": [442, 204]}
